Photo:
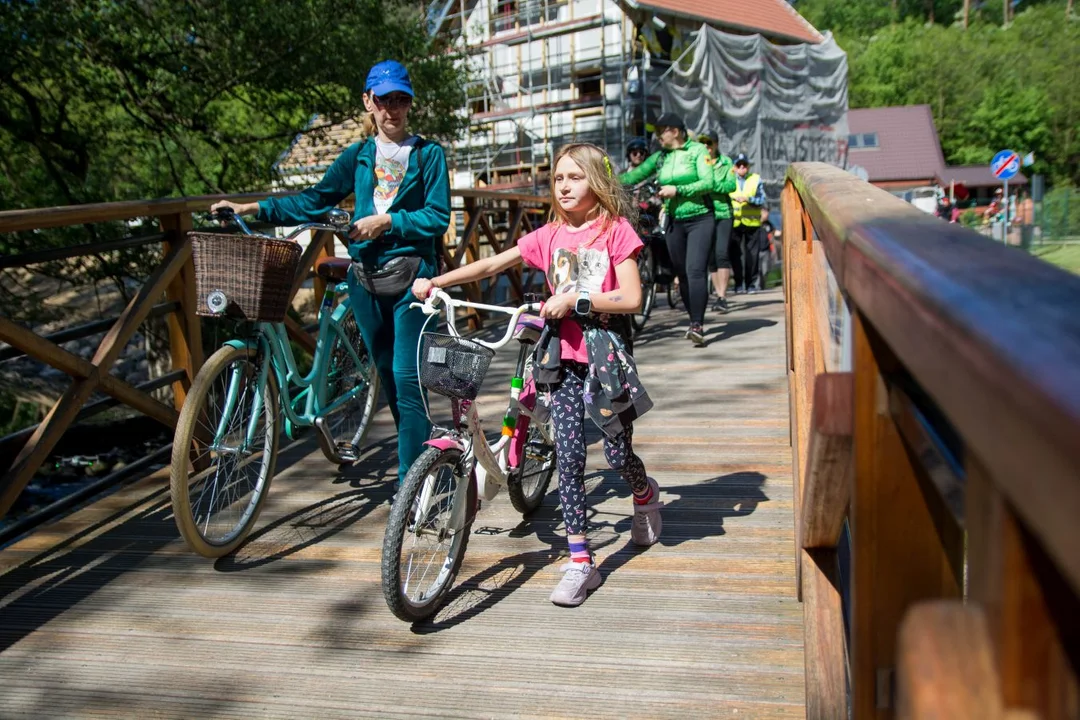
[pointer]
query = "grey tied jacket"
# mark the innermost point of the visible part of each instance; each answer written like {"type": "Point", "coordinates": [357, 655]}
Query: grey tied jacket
{"type": "Point", "coordinates": [614, 395]}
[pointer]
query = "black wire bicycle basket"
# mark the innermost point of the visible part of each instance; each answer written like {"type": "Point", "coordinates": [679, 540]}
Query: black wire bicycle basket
{"type": "Point", "coordinates": [453, 366]}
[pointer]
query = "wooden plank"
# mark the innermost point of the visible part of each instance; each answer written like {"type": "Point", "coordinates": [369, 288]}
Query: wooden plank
{"type": "Point", "coordinates": [44, 439]}
{"type": "Point", "coordinates": [924, 286]}
{"type": "Point", "coordinates": [136, 311]}
{"type": "Point", "coordinates": [465, 243]}
{"type": "Point", "coordinates": [830, 461]}
{"type": "Point", "coordinates": [185, 333]}
{"type": "Point", "coordinates": [47, 352]}
{"type": "Point", "coordinates": [945, 665]}
{"type": "Point", "coordinates": [138, 400]}
{"type": "Point", "coordinates": [898, 558]}
{"type": "Point", "coordinates": [307, 260]}
{"type": "Point", "coordinates": [108, 602]}
{"type": "Point", "coordinates": [1033, 617]}
{"type": "Point", "coordinates": [319, 284]}
{"type": "Point", "coordinates": [825, 645]}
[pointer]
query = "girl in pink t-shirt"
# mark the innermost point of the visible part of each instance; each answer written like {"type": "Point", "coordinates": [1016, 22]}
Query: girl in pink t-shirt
{"type": "Point", "coordinates": [589, 255]}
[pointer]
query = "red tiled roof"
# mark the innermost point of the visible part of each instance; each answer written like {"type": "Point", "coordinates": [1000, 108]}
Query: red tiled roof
{"type": "Point", "coordinates": [974, 176]}
{"type": "Point", "coordinates": [771, 18]}
{"type": "Point", "coordinates": [908, 147]}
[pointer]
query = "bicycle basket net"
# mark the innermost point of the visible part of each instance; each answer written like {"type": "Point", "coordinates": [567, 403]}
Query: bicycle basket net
{"type": "Point", "coordinates": [453, 366]}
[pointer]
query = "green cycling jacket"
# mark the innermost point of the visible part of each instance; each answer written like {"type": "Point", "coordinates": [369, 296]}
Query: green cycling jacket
{"type": "Point", "coordinates": [723, 185]}
{"type": "Point", "coordinates": [687, 168]}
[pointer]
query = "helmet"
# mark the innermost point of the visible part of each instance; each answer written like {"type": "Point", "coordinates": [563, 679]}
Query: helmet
{"type": "Point", "coordinates": [637, 144]}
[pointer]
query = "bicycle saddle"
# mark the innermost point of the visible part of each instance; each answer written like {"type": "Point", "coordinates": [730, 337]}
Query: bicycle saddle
{"type": "Point", "coordinates": [333, 268]}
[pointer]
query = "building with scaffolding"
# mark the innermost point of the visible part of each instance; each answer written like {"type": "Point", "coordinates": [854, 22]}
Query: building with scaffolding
{"type": "Point", "coordinates": [548, 72]}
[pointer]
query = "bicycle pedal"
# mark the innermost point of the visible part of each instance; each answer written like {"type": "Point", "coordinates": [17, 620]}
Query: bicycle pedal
{"type": "Point", "coordinates": [347, 451]}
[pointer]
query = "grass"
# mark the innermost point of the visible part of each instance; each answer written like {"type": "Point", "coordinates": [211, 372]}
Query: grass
{"type": "Point", "coordinates": [1066, 257]}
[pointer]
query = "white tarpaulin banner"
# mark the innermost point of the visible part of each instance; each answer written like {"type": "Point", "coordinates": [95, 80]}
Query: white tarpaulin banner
{"type": "Point", "coordinates": [777, 103]}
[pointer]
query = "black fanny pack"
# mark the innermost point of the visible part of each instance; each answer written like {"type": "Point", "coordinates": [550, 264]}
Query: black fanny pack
{"type": "Point", "coordinates": [393, 278]}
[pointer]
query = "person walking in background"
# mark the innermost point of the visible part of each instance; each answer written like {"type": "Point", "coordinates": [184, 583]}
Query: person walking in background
{"type": "Point", "coordinates": [945, 209]}
{"type": "Point", "coordinates": [747, 200]}
{"type": "Point", "coordinates": [682, 167]}
{"type": "Point", "coordinates": [766, 250]}
{"type": "Point", "coordinates": [401, 189]}
{"type": "Point", "coordinates": [723, 184]}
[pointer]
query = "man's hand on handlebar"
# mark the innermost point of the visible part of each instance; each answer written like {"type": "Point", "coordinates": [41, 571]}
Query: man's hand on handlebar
{"type": "Point", "coordinates": [422, 287]}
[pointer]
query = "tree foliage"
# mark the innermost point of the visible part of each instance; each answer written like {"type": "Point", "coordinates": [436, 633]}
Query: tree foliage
{"type": "Point", "coordinates": [990, 87]}
{"type": "Point", "coordinates": [117, 99]}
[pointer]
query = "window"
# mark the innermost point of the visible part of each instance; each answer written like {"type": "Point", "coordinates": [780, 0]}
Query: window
{"type": "Point", "coordinates": [862, 140]}
{"type": "Point", "coordinates": [589, 84]}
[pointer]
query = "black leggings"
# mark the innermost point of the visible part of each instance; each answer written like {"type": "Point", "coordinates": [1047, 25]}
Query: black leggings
{"type": "Point", "coordinates": [568, 415]}
{"type": "Point", "coordinates": [690, 243]}
{"type": "Point", "coordinates": [719, 259]}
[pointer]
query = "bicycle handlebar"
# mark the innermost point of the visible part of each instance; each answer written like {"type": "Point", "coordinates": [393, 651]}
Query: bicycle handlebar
{"type": "Point", "coordinates": [430, 307]}
{"type": "Point", "coordinates": [227, 215]}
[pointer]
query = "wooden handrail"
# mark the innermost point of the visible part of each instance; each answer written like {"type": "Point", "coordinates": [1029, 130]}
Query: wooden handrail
{"type": "Point", "coordinates": [964, 358]}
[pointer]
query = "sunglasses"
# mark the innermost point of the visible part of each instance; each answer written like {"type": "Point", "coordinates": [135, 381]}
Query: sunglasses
{"type": "Point", "coordinates": [393, 102]}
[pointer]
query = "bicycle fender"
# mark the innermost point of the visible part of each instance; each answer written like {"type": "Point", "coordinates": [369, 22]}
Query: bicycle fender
{"type": "Point", "coordinates": [446, 443]}
{"type": "Point", "coordinates": [527, 398]}
{"type": "Point", "coordinates": [252, 344]}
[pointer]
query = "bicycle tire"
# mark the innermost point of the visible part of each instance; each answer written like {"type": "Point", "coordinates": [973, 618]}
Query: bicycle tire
{"type": "Point", "coordinates": [350, 423]}
{"type": "Point", "coordinates": [192, 415]}
{"type": "Point", "coordinates": [674, 299]}
{"type": "Point", "coordinates": [402, 512]}
{"type": "Point", "coordinates": [527, 501]}
{"type": "Point", "coordinates": [647, 271]}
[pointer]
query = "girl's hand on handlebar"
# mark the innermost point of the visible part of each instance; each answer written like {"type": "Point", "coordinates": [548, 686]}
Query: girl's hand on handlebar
{"type": "Point", "coordinates": [371, 227]}
{"type": "Point", "coordinates": [422, 287]}
{"type": "Point", "coordinates": [558, 306]}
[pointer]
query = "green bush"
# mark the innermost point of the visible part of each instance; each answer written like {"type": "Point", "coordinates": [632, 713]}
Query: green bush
{"type": "Point", "coordinates": [1060, 214]}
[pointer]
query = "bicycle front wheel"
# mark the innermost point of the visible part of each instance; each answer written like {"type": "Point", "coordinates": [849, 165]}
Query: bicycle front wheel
{"type": "Point", "coordinates": [421, 552]}
{"type": "Point", "coordinates": [224, 451]}
{"type": "Point", "coordinates": [528, 484]}
{"type": "Point", "coordinates": [349, 424]}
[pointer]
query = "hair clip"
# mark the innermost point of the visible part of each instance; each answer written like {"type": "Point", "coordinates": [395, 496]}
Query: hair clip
{"type": "Point", "coordinates": [607, 165]}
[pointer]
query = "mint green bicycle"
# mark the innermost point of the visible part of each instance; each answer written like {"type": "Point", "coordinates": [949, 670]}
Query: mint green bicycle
{"type": "Point", "coordinates": [227, 437]}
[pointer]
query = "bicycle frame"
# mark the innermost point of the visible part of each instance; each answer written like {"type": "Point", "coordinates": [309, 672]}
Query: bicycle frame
{"type": "Point", "coordinates": [272, 341]}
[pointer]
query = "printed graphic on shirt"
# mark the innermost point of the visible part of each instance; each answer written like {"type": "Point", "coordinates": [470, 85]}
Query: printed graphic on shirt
{"type": "Point", "coordinates": [389, 173]}
{"type": "Point", "coordinates": [572, 271]}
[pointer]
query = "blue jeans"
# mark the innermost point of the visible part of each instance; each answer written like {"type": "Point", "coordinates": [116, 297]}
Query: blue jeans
{"type": "Point", "coordinates": [391, 331]}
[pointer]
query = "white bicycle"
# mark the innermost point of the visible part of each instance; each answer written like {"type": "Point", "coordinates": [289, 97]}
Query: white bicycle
{"type": "Point", "coordinates": [433, 511]}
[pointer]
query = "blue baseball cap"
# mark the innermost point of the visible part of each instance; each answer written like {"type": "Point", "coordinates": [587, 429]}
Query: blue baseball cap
{"type": "Point", "coordinates": [387, 77]}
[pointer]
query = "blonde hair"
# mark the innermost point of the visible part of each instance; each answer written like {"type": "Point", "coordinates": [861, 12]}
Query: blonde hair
{"type": "Point", "coordinates": [368, 126]}
{"type": "Point", "coordinates": [612, 199]}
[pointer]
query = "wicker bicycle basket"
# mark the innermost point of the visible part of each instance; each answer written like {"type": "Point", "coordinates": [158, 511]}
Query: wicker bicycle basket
{"type": "Point", "coordinates": [247, 277]}
{"type": "Point", "coordinates": [453, 366]}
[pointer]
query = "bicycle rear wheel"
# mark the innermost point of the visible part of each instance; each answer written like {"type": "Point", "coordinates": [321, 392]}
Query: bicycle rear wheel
{"type": "Point", "coordinates": [224, 451]}
{"type": "Point", "coordinates": [421, 553]}
{"type": "Point", "coordinates": [528, 484]}
{"type": "Point", "coordinates": [647, 270]}
{"type": "Point", "coordinates": [350, 423]}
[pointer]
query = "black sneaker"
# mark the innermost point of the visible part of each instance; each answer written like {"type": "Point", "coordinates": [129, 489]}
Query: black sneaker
{"type": "Point", "coordinates": [720, 304]}
{"type": "Point", "coordinates": [696, 335]}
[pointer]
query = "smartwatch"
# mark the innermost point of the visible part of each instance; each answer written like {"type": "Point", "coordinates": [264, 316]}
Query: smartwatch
{"type": "Point", "coordinates": [583, 306]}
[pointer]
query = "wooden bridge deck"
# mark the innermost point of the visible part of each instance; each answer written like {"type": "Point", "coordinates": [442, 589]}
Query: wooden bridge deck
{"type": "Point", "coordinates": [107, 613]}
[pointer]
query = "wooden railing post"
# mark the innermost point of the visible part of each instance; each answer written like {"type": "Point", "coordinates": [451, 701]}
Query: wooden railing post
{"type": "Point", "coordinates": [327, 250]}
{"type": "Point", "coordinates": [1031, 614]}
{"type": "Point", "coordinates": [898, 557]}
{"type": "Point", "coordinates": [185, 331]}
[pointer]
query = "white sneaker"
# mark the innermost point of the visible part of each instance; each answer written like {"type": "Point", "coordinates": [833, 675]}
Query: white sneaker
{"type": "Point", "coordinates": [646, 526]}
{"type": "Point", "coordinates": [578, 580]}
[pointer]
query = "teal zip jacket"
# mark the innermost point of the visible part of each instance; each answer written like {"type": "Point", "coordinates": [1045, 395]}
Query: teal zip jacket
{"type": "Point", "coordinates": [723, 185]}
{"type": "Point", "coordinates": [687, 168]}
{"type": "Point", "coordinates": [420, 213]}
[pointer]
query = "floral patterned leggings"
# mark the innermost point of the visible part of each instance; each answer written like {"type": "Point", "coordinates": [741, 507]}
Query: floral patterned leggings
{"type": "Point", "coordinates": [568, 416]}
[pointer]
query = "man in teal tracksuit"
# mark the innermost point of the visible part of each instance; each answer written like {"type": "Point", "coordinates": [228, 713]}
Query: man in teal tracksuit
{"type": "Point", "coordinates": [402, 195]}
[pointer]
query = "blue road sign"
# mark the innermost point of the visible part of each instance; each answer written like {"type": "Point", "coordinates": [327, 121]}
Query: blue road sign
{"type": "Point", "coordinates": [1005, 164]}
